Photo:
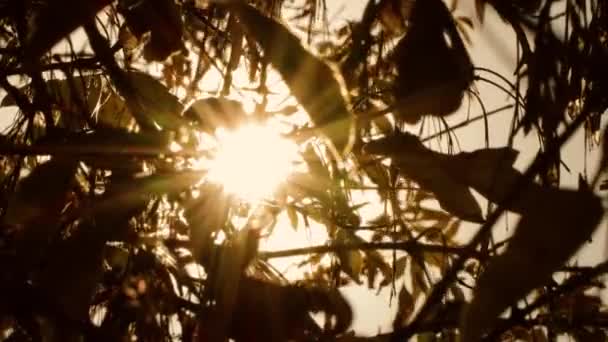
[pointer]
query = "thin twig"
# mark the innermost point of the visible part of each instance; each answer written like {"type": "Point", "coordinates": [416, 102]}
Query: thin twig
{"type": "Point", "coordinates": [467, 122]}
{"type": "Point", "coordinates": [408, 246]}
{"type": "Point", "coordinates": [83, 150]}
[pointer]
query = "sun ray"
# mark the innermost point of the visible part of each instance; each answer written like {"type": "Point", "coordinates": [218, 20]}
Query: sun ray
{"type": "Point", "coordinates": [252, 161]}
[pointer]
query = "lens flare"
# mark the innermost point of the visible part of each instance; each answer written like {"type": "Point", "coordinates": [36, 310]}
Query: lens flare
{"type": "Point", "coordinates": [252, 161]}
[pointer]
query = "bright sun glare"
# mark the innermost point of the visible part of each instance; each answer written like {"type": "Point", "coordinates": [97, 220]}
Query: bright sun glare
{"type": "Point", "coordinates": [252, 161]}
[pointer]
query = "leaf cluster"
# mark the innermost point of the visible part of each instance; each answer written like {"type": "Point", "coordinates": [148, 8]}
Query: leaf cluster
{"type": "Point", "coordinates": [110, 230]}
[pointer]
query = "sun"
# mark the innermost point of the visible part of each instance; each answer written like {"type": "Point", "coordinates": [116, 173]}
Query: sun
{"type": "Point", "coordinates": [251, 161]}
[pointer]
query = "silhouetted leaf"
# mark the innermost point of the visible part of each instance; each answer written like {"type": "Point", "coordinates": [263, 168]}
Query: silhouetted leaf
{"type": "Point", "coordinates": [405, 307]}
{"type": "Point", "coordinates": [314, 84]}
{"type": "Point", "coordinates": [84, 95]}
{"type": "Point", "coordinates": [161, 107]}
{"type": "Point", "coordinates": [549, 233]}
{"type": "Point", "coordinates": [425, 167]}
{"type": "Point", "coordinates": [55, 19]}
{"type": "Point", "coordinates": [206, 214]}
{"type": "Point", "coordinates": [87, 91]}
{"type": "Point", "coordinates": [400, 265]}
{"type": "Point", "coordinates": [273, 312]}
{"type": "Point", "coordinates": [41, 195]}
{"type": "Point", "coordinates": [35, 208]}
{"type": "Point", "coordinates": [162, 19]}
{"type": "Point", "coordinates": [350, 260]}
{"type": "Point", "coordinates": [72, 270]}
{"type": "Point", "coordinates": [433, 66]}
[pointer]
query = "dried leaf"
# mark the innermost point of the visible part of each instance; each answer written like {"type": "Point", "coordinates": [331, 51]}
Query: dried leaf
{"type": "Point", "coordinates": [548, 233]}
{"type": "Point", "coordinates": [55, 20]}
{"type": "Point", "coordinates": [315, 85]}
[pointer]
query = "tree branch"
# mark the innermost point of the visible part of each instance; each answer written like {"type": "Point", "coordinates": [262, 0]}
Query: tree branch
{"type": "Point", "coordinates": [439, 290]}
{"type": "Point", "coordinates": [408, 246]}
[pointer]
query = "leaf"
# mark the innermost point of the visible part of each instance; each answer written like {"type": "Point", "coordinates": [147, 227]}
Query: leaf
{"type": "Point", "coordinates": [35, 208]}
{"type": "Point", "coordinates": [405, 309]}
{"type": "Point", "coordinates": [419, 282]}
{"type": "Point", "coordinates": [96, 145]}
{"type": "Point", "coordinates": [400, 265]}
{"type": "Point", "coordinates": [206, 214]}
{"type": "Point", "coordinates": [68, 94]}
{"type": "Point", "coordinates": [162, 19]}
{"type": "Point", "coordinates": [73, 269]}
{"type": "Point", "coordinates": [350, 260]}
{"type": "Point", "coordinates": [214, 112]}
{"type": "Point", "coordinates": [393, 15]}
{"type": "Point", "coordinates": [548, 233]}
{"type": "Point", "coordinates": [41, 195]}
{"type": "Point", "coordinates": [54, 20]}
{"type": "Point", "coordinates": [427, 169]}
{"type": "Point", "coordinates": [433, 66]}
{"type": "Point", "coordinates": [426, 337]}
{"type": "Point", "coordinates": [87, 94]}
{"type": "Point", "coordinates": [316, 86]}
{"type": "Point", "coordinates": [161, 107]}
{"type": "Point", "coordinates": [538, 335]}
{"type": "Point", "coordinates": [488, 171]}
{"type": "Point", "coordinates": [480, 9]}
{"type": "Point", "coordinates": [273, 312]}
{"type": "Point", "coordinates": [293, 217]}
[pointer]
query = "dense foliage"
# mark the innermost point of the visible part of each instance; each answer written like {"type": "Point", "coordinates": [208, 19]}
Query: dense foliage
{"type": "Point", "coordinates": [111, 229]}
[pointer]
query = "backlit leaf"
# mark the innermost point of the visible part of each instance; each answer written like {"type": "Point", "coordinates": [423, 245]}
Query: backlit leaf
{"type": "Point", "coordinates": [161, 107]}
{"type": "Point", "coordinates": [293, 216]}
{"type": "Point", "coordinates": [314, 84]}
